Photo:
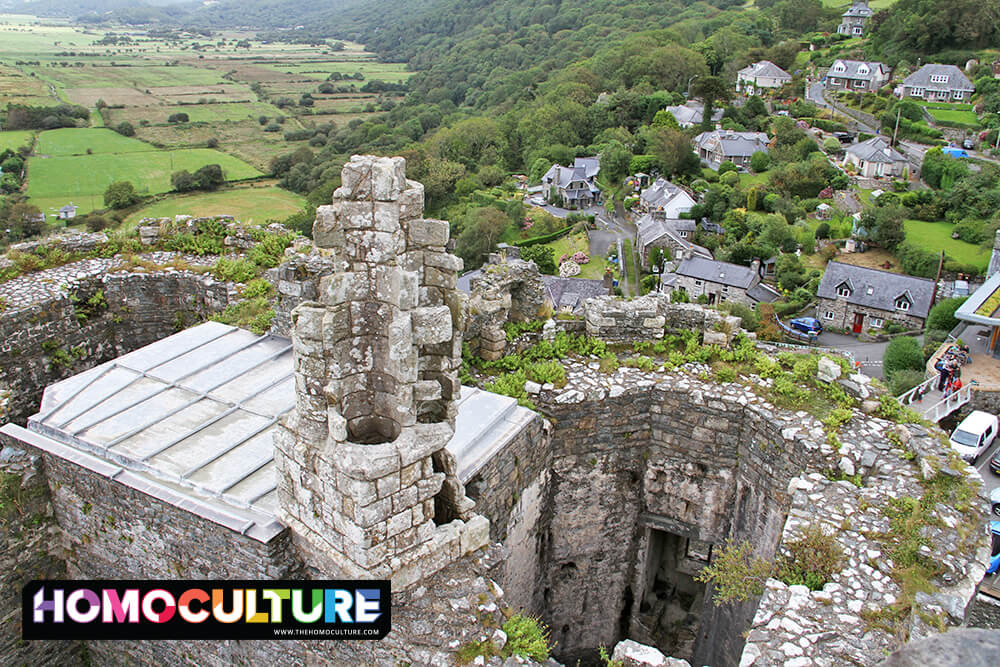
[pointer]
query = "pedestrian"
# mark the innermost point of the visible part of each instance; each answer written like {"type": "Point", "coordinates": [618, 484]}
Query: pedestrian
{"type": "Point", "coordinates": [945, 374]}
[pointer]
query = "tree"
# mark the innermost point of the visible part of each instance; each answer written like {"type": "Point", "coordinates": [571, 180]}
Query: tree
{"type": "Point", "coordinates": [884, 226]}
{"type": "Point", "coordinates": [125, 128]}
{"type": "Point", "coordinates": [760, 161]}
{"type": "Point", "coordinates": [183, 181]}
{"type": "Point", "coordinates": [543, 256]}
{"type": "Point", "coordinates": [664, 118]}
{"type": "Point", "coordinates": [942, 315]}
{"type": "Point", "coordinates": [902, 353]}
{"type": "Point", "coordinates": [710, 89]}
{"type": "Point", "coordinates": [481, 229]}
{"type": "Point", "coordinates": [179, 117]}
{"type": "Point", "coordinates": [210, 177]}
{"type": "Point", "coordinates": [120, 194]}
{"type": "Point", "coordinates": [673, 151]}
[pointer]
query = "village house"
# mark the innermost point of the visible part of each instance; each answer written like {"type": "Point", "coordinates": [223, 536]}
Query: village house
{"type": "Point", "coordinates": [664, 196]}
{"type": "Point", "coordinates": [68, 212]}
{"type": "Point", "coordinates": [691, 114]}
{"type": "Point", "coordinates": [875, 158]}
{"type": "Point", "coordinates": [857, 298]}
{"type": "Point", "coordinates": [720, 146]}
{"type": "Point", "coordinates": [856, 75]}
{"type": "Point", "coordinates": [854, 20]}
{"type": "Point", "coordinates": [721, 282]}
{"type": "Point", "coordinates": [760, 77]}
{"type": "Point", "coordinates": [937, 83]}
{"type": "Point", "coordinates": [575, 185]}
{"type": "Point", "coordinates": [656, 230]}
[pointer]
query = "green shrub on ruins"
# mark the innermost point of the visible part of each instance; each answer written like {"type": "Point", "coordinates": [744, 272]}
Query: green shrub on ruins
{"type": "Point", "coordinates": [736, 573]}
{"type": "Point", "coordinates": [527, 637]}
{"type": "Point", "coordinates": [234, 270]}
{"type": "Point", "coordinates": [812, 559]}
{"type": "Point", "coordinates": [253, 314]}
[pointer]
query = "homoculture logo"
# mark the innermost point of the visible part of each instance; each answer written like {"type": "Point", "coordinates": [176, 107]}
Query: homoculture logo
{"type": "Point", "coordinates": [216, 609]}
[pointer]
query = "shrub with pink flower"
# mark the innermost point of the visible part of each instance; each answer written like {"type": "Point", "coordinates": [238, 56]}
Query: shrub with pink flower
{"type": "Point", "coordinates": [580, 257]}
{"type": "Point", "coordinates": [563, 259]}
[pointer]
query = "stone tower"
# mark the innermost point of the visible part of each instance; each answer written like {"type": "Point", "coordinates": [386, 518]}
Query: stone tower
{"type": "Point", "coordinates": [364, 480]}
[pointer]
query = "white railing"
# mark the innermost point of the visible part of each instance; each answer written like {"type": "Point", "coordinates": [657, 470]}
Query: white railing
{"type": "Point", "coordinates": [923, 388]}
{"type": "Point", "coordinates": [946, 406]}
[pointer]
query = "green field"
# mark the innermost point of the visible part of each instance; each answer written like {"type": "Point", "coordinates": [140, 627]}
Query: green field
{"type": "Point", "coordinates": [936, 236]}
{"type": "Point", "coordinates": [138, 76]}
{"type": "Point", "coordinates": [245, 204]}
{"type": "Point", "coordinates": [54, 181]}
{"type": "Point", "coordinates": [389, 72]}
{"type": "Point", "coordinates": [14, 139]}
{"type": "Point", "coordinates": [76, 141]}
{"type": "Point", "coordinates": [955, 116]}
{"type": "Point", "coordinates": [197, 113]}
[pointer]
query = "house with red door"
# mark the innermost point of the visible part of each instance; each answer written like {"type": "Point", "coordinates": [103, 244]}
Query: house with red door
{"type": "Point", "coordinates": [860, 299]}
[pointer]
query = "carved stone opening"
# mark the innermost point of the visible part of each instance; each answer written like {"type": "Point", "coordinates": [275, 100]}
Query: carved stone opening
{"type": "Point", "coordinates": [372, 430]}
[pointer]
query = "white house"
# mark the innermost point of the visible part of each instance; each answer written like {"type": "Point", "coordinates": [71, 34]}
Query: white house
{"type": "Point", "coordinates": [761, 77]}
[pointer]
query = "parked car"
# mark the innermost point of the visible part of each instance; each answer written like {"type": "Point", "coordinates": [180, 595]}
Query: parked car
{"type": "Point", "coordinates": [968, 144]}
{"type": "Point", "coordinates": [995, 464]}
{"type": "Point", "coordinates": [974, 435]}
{"type": "Point", "coordinates": [995, 502]}
{"type": "Point", "coordinates": [994, 547]}
{"type": "Point", "coordinates": [807, 325]}
{"type": "Point", "coordinates": [843, 137]}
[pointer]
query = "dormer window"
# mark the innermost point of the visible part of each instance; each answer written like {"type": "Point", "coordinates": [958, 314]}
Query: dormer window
{"type": "Point", "coordinates": [839, 67]}
{"type": "Point", "coordinates": [939, 78]}
{"type": "Point", "coordinates": [863, 70]}
{"type": "Point", "coordinates": [871, 290]}
{"type": "Point", "coordinates": [902, 303]}
{"type": "Point", "coordinates": [843, 290]}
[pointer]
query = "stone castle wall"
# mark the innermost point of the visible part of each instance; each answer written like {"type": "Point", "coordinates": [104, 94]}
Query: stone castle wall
{"type": "Point", "coordinates": [49, 340]}
{"type": "Point", "coordinates": [29, 549]}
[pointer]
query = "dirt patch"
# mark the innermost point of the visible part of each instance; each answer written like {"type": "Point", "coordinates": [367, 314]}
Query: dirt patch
{"type": "Point", "coordinates": [129, 97]}
{"type": "Point", "coordinates": [873, 258]}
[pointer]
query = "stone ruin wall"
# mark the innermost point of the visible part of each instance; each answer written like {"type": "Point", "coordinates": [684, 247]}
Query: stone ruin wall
{"type": "Point", "coordinates": [141, 308]}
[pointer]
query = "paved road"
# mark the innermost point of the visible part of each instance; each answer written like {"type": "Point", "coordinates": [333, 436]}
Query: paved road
{"type": "Point", "coordinates": [814, 93]}
{"type": "Point", "coordinates": [869, 354]}
{"type": "Point", "coordinates": [990, 480]}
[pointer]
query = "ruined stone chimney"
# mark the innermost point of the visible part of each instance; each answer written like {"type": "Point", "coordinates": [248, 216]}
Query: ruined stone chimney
{"type": "Point", "coordinates": [362, 461]}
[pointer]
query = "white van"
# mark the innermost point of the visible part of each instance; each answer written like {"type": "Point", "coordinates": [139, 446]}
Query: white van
{"type": "Point", "coordinates": [974, 435]}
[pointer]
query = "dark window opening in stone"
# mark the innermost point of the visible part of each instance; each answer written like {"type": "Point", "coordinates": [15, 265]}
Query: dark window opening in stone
{"type": "Point", "coordinates": [671, 604]}
{"type": "Point", "coordinates": [372, 430]}
{"type": "Point", "coordinates": [628, 600]}
{"type": "Point", "coordinates": [446, 500]}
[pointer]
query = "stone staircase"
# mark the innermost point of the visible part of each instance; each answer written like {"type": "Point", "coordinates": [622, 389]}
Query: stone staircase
{"type": "Point", "coordinates": [486, 422]}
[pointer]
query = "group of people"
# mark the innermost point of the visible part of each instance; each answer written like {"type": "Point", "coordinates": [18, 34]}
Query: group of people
{"type": "Point", "coordinates": [950, 367]}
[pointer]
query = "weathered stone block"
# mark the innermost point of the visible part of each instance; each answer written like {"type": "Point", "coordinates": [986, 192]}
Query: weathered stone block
{"type": "Point", "coordinates": [431, 325]}
{"type": "Point", "coordinates": [428, 232]}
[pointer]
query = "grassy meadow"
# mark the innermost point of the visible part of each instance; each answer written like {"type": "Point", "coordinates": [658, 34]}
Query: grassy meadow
{"type": "Point", "coordinates": [14, 139]}
{"type": "Point", "coordinates": [937, 236]}
{"type": "Point", "coordinates": [247, 204]}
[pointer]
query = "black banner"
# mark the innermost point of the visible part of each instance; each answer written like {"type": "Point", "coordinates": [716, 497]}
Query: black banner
{"type": "Point", "coordinates": [214, 609]}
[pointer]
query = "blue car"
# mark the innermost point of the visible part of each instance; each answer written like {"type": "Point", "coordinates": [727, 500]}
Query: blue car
{"type": "Point", "coordinates": [807, 325]}
{"type": "Point", "coordinates": [995, 550]}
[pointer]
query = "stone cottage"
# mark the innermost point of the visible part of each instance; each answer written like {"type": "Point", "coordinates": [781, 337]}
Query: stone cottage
{"type": "Point", "coordinates": [667, 198]}
{"type": "Point", "coordinates": [721, 282]}
{"type": "Point", "coordinates": [857, 298]}
{"type": "Point", "coordinates": [720, 146]}
{"type": "Point", "coordinates": [761, 77]}
{"type": "Point", "coordinates": [576, 186]}
{"type": "Point", "coordinates": [938, 83]}
{"type": "Point", "coordinates": [875, 158]}
{"type": "Point", "coordinates": [855, 19]}
{"type": "Point", "coordinates": [856, 75]}
{"type": "Point", "coordinates": [655, 230]}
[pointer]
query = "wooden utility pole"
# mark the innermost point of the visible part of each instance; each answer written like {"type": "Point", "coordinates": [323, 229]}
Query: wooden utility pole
{"type": "Point", "coordinates": [938, 278]}
{"type": "Point", "coordinates": [898, 111]}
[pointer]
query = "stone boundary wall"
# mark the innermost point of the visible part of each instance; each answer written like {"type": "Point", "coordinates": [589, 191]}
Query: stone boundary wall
{"type": "Point", "coordinates": [619, 320]}
{"type": "Point", "coordinates": [49, 340]}
{"type": "Point", "coordinates": [29, 546]}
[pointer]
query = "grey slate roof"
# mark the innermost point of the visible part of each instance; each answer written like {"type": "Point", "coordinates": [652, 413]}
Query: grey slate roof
{"type": "Point", "coordinates": [876, 149]}
{"type": "Point", "coordinates": [572, 292]}
{"type": "Point", "coordinates": [724, 273]}
{"type": "Point", "coordinates": [859, 9]}
{"type": "Point", "coordinates": [766, 69]}
{"type": "Point", "coordinates": [922, 78]}
{"type": "Point", "coordinates": [649, 228]}
{"type": "Point", "coordinates": [661, 193]}
{"type": "Point", "coordinates": [740, 144]}
{"type": "Point", "coordinates": [851, 68]}
{"type": "Point", "coordinates": [692, 113]}
{"type": "Point", "coordinates": [884, 286]}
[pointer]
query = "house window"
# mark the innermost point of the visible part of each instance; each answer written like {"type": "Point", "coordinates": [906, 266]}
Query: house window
{"type": "Point", "coordinates": [828, 315]}
{"type": "Point", "coordinates": [684, 234]}
{"type": "Point", "coordinates": [840, 68]}
{"type": "Point", "coordinates": [725, 288]}
{"type": "Point", "coordinates": [697, 283]}
{"type": "Point", "coordinates": [939, 78]}
{"type": "Point", "coordinates": [722, 298]}
{"type": "Point", "coordinates": [876, 322]}
{"type": "Point", "coordinates": [902, 304]}
{"type": "Point", "coordinates": [844, 290]}
{"type": "Point", "coordinates": [871, 290]}
{"type": "Point", "coordinates": [858, 30]}
{"type": "Point", "coordinates": [863, 70]}
{"type": "Point", "coordinates": [958, 94]}
{"type": "Point", "coordinates": [916, 92]}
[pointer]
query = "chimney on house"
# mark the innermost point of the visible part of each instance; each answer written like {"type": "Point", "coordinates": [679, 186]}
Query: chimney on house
{"type": "Point", "coordinates": [755, 266]}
